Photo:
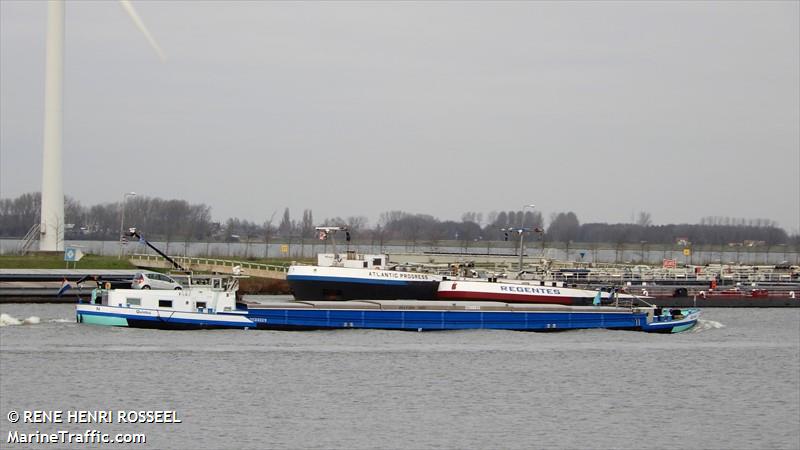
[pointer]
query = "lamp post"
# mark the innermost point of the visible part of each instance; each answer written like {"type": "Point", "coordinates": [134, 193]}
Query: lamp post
{"type": "Point", "coordinates": [567, 243]}
{"type": "Point", "coordinates": [785, 247]}
{"type": "Point", "coordinates": [522, 233]}
{"type": "Point", "coordinates": [644, 244]}
{"type": "Point", "coordinates": [122, 220]}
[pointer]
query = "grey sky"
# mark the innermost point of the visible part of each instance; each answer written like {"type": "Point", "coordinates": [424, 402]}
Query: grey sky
{"type": "Point", "coordinates": [683, 109]}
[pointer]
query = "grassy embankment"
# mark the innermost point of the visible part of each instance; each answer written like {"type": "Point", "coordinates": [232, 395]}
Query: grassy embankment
{"type": "Point", "coordinates": [56, 261]}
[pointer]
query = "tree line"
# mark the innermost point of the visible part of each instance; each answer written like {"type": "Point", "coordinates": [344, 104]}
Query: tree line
{"type": "Point", "coordinates": [180, 221]}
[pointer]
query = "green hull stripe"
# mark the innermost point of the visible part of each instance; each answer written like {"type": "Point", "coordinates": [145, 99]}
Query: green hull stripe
{"type": "Point", "coordinates": [680, 328]}
{"type": "Point", "coordinates": [104, 320]}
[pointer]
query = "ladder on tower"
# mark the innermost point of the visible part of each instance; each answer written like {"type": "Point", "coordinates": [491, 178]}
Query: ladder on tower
{"type": "Point", "coordinates": [27, 242]}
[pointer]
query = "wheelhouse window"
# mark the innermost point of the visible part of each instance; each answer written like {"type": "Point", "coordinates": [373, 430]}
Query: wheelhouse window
{"type": "Point", "coordinates": [165, 303]}
{"type": "Point", "coordinates": [201, 305]}
{"type": "Point", "coordinates": [133, 301]}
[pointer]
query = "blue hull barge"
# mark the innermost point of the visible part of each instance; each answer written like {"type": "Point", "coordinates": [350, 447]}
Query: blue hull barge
{"type": "Point", "coordinates": [416, 315]}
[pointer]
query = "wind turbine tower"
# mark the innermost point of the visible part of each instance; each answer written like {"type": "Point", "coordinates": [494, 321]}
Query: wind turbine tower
{"type": "Point", "coordinates": [51, 224]}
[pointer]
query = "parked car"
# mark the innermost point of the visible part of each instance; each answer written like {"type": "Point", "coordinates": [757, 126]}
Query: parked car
{"type": "Point", "coordinates": [152, 280]}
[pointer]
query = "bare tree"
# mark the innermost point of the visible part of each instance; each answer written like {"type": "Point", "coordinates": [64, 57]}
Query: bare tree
{"type": "Point", "coordinates": [643, 219]}
{"type": "Point", "coordinates": [307, 226]}
{"type": "Point", "coordinates": [356, 223]}
{"type": "Point", "coordinates": [268, 233]}
{"type": "Point", "coordinates": [286, 227]}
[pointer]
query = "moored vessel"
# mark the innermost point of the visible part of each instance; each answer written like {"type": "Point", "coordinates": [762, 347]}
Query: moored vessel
{"type": "Point", "coordinates": [348, 283]}
{"type": "Point", "coordinates": [714, 285]}
{"type": "Point", "coordinates": [351, 275]}
{"type": "Point", "coordinates": [520, 291]}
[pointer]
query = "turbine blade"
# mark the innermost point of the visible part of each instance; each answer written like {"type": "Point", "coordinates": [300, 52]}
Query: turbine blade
{"type": "Point", "coordinates": [126, 5]}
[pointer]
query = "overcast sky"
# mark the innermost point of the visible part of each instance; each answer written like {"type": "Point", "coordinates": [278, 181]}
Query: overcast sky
{"type": "Point", "coordinates": [680, 109]}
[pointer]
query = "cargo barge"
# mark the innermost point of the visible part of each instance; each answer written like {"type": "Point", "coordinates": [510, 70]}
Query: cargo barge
{"type": "Point", "coordinates": [215, 306]}
{"type": "Point", "coordinates": [416, 315]}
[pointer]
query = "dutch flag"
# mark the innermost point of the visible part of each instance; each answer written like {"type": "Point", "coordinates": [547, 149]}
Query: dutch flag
{"type": "Point", "coordinates": [65, 286]}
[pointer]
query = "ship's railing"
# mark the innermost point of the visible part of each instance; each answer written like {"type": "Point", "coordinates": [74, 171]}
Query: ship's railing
{"type": "Point", "coordinates": [192, 261]}
{"type": "Point", "coordinates": [670, 275]}
{"type": "Point", "coordinates": [623, 303]}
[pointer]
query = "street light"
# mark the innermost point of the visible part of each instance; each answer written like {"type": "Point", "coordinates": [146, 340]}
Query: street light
{"type": "Point", "coordinates": [522, 232]}
{"type": "Point", "coordinates": [531, 206]}
{"type": "Point", "coordinates": [122, 220]}
{"type": "Point", "coordinates": [644, 244]}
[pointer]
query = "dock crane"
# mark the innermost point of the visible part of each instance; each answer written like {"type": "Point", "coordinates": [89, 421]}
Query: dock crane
{"type": "Point", "coordinates": [132, 232]}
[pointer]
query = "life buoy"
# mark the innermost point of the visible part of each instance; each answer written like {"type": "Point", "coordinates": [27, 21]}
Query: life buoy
{"type": "Point", "coordinates": [791, 294]}
{"type": "Point", "coordinates": [702, 294]}
{"type": "Point", "coordinates": [644, 292]}
{"type": "Point", "coordinates": [107, 285]}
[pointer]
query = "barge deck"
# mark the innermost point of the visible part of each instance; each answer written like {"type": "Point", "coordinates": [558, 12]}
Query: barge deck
{"type": "Point", "coordinates": [418, 315]}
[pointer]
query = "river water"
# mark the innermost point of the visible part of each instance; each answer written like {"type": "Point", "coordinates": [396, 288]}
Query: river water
{"type": "Point", "coordinates": [731, 383]}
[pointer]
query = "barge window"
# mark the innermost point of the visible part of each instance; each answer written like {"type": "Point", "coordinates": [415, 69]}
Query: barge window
{"type": "Point", "coordinates": [165, 303]}
{"type": "Point", "coordinates": [133, 301]}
